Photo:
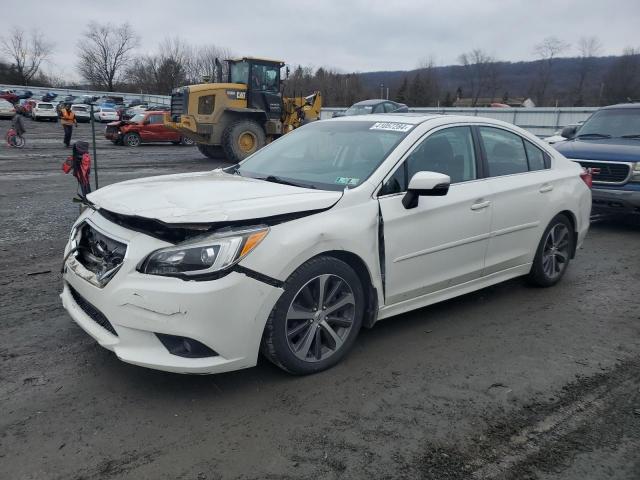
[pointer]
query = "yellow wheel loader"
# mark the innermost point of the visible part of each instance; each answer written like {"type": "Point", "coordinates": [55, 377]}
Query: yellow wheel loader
{"type": "Point", "coordinates": [236, 118]}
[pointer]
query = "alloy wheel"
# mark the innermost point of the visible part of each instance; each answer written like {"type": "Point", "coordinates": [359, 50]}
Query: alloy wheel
{"type": "Point", "coordinates": [320, 318]}
{"type": "Point", "coordinates": [555, 254]}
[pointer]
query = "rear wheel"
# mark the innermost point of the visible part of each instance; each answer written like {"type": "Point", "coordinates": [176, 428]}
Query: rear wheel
{"type": "Point", "coordinates": [131, 140]}
{"type": "Point", "coordinates": [241, 139]}
{"type": "Point", "coordinates": [211, 151]}
{"type": "Point", "coordinates": [186, 141]}
{"type": "Point", "coordinates": [553, 253]}
{"type": "Point", "coordinates": [317, 318]}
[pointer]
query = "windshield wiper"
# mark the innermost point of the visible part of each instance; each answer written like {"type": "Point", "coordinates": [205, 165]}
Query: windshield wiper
{"type": "Point", "coordinates": [274, 179]}
{"type": "Point", "coordinates": [596, 135]}
{"type": "Point", "coordinates": [635, 135]}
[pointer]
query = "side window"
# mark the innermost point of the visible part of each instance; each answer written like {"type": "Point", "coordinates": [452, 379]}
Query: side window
{"type": "Point", "coordinates": [155, 119]}
{"type": "Point", "coordinates": [379, 108]}
{"type": "Point", "coordinates": [265, 78]}
{"type": "Point", "coordinates": [205, 105]}
{"type": "Point", "coordinates": [536, 157]}
{"type": "Point", "coordinates": [389, 107]}
{"type": "Point", "coordinates": [449, 151]}
{"type": "Point", "coordinates": [505, 152]}
{"type": "Point", "coordinates": [396, 183]}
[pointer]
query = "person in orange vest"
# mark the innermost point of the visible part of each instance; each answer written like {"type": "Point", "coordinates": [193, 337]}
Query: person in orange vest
{"type": "Point", "coordinates": [68, 119]}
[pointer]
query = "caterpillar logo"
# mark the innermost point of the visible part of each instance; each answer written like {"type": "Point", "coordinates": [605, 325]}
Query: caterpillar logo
{"type": "Point", "coordinates": [236, 94]}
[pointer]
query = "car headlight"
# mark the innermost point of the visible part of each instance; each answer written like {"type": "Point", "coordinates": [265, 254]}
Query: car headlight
{"type": "Point", "coordinates": [635, 174]}
{"type": "Point", "coordinates": [205, 254]}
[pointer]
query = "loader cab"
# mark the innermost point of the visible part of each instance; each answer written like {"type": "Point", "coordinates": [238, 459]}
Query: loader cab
{"type": "Point", "coordinates": [262, 78]}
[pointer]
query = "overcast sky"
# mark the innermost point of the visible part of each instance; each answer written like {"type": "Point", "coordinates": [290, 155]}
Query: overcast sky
{"type": "Point", "coordinates": [350, 35]}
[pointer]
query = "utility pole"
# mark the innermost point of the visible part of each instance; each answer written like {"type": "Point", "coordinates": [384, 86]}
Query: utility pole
{"type": "Point", "coordinates": [381, 90]}
{"type": "Point", "coordinates": [95, 155]}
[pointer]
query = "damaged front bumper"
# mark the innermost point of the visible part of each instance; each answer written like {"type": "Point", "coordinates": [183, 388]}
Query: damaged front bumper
{"type": "Point", "coordinates": [227, 315]}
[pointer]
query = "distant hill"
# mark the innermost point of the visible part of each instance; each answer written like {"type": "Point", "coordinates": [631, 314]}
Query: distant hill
{"type": "Point", "coordinates": [516, 79]}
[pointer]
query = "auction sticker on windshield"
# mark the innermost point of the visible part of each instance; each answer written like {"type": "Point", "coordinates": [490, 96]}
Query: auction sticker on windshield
{"type": "Point", "coordinates": [391, 126]}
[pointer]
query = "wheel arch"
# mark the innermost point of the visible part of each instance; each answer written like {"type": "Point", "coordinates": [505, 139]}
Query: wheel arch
{"type": "Point", "coordinates": [574, 226]}
{"type": "Point", "coordinates": [361, 269]}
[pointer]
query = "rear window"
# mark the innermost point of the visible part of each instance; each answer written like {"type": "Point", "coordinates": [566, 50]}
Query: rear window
{"type": "Point", "coordinates": [45, 106]}
{"type": "Point", "coordinates": [79, 109]}
{"type": "Point", "coordinates": [107, 110]}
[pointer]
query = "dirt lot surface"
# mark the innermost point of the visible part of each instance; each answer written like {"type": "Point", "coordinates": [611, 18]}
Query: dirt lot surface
{"type": "Point", "coordinates": [510, 382]}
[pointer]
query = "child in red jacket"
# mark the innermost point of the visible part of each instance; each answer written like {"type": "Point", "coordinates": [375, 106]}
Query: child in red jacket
{"type": "Point", "coordinates": [80, 163]}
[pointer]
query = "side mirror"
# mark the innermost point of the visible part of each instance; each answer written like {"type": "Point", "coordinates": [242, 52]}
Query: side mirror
{"type": "Point", "coordinates": [425, 184]}
{"type": "Point", "coordinates": [569, 132]}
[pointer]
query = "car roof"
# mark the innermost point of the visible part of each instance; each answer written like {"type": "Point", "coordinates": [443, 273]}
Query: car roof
{"type": "Point", "coordinates": [415, 118]}
{"type": "Point", "coordinates": [622, 105]}
{"type": "Point", "coordinates": [373, 101]}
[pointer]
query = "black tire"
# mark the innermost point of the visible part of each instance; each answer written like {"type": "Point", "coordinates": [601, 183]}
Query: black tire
{"type": "Point", "coordinates": [214, 152]}
{"type": "Point", "coordinates": [277, 339]}
{"type": "Point", "coordinates": [241, 139]}
{"type": "Point", "coordinates": [186, 141]}
{"type": "Point", "coordinates": [131, 139]}
{"type": "Point", "coordinates": [553, 254]}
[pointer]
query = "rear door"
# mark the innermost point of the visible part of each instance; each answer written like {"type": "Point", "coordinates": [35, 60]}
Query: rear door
{"type": "Point", "coordinates": [441, 242]}
{"type": "Point", "coordinates": [521, 185]}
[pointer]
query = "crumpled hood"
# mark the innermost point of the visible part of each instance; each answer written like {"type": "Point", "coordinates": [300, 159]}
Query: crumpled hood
{"type": "Point", "coordinates": [207, 197]}
{"type": "Point", "coordinates": [612, 149]}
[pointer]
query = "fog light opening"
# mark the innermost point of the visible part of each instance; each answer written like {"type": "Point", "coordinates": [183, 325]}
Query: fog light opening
{"type": "Point", "coordinates": [185, 347]}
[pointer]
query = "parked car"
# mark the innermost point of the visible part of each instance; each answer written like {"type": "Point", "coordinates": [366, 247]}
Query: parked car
{"type": "Point", "coordinates": [367, 107]}
{"type": "Point", "coordinates": [7, 109]}
{"type": "Point", "coordinates": [23, 94]}
{"type": "Point", "coordinates": [9, 96]}
{"type": "Point", "coordinates": [44, 111]}
{"type": "Point", "coordinates": [49, 96]}
{"type": "Point", "coordinates": [82, 113]}
{"type": "Point", "coordinates": [27, 107]}
{"type": "Point", "coordinates": [608, 143]}
{"type": "Point", "coordinates": [105, 114]}
{"type": "Point", "coordinates": [144, 128]}
{"type": "Point", "coordinates": [336, 225]}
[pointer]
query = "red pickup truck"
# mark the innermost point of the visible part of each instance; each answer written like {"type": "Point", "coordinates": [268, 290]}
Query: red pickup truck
{"type": "Point", "coordinates": [143, 127]}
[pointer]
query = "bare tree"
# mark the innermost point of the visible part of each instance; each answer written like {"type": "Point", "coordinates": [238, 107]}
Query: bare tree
{"type": "Point", "coordinates": [622, 81]}
{"type": "Point", "coordinates": [588, 47]}
{"type": "Point", "coordinates": [27, 52]}
{"type": "Point", "coordinates": [547, 51]}
{"type": "Point", "coordinates": [481, 73]}
{"type": "Point", "coordinates": [202, 63]}
{"type": "Point", "coordinates": [104, 53]}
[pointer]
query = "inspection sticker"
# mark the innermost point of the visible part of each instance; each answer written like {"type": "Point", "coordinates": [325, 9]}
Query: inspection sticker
{"type": "Point", "coordinates": [347, 181]}
{"type": "Point", "coordinates": [392, 126]}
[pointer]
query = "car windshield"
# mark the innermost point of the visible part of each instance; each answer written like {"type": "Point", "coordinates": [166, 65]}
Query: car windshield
{"type": "Point", "coordinates": [326, 155]}
{"type": "Point", "coordinates": [79, 109]}
{"type": "Point", "coordinates": [612, 123]}
{"type": "Point", "coordinates": [359, 110]}
{"type": "Point", "coordinates": [45, 106]}
{"type": "Point", "coordinates": [107, 109]}
{"type": "Point", "coordinates": [137, 118]}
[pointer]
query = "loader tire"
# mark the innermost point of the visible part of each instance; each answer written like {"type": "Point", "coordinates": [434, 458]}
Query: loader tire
{"type": "Point", "coordinates": [214, 152]}
{"type": "Point", "coordinates": [241, 139]}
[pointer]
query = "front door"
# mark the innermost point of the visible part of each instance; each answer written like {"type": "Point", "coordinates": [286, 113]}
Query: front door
{"type": "Point", "coordinates": [442, 242]}
{"type": "Point", "coordinates": [264, 89]}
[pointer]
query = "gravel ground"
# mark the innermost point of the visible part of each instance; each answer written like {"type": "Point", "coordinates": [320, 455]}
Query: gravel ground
{"type": "Point", "coordinates": [510, 382]}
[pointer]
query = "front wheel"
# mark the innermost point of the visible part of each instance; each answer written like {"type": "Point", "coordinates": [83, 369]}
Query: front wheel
{"type": "Point", "coordinates": [241, 139]}
{"type": "Point", "coordinates": [214, 152]}
{"type": "Point", "coordinates": [317, 318]}
{"type": "Point", "coordinates": [131, 140]}
{"type": "Point", "coordinates": [553, 253]}
{"type": "Point", "coordinates": [186, 141]}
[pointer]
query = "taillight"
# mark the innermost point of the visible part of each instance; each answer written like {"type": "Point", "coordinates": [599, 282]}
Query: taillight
{"type": "Point", "coordinates": [586, 177]}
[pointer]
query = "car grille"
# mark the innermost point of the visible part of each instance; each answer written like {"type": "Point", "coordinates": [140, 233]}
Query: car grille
{"type": "Point", "coordinates": [607, 172]}
{"type": "Point", "coordinates": [111, 131]}
{"type": "Point", "coordinates": [92, 312]}
{"type": "Point", "coordinates": [178, 105]}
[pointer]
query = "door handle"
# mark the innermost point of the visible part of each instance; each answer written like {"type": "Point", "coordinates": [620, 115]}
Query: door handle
{"type": "Point", "coordinates": [546, 188]}
{"type": "Point", "coordinates": [480, 205]}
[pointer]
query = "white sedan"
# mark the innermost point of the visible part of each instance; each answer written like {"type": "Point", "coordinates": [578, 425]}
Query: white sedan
{"type": "Point", "coordinates": [105, 114]}
{"type": "Point", "coordinates": [333, 227]}
{"type": "Point", "coordinates": [82, 112]}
